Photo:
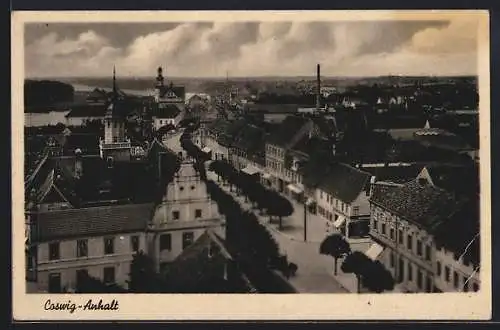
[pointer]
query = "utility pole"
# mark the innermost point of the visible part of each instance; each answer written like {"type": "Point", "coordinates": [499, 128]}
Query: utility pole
{"type": "Point", "coordinates": [305, 220]}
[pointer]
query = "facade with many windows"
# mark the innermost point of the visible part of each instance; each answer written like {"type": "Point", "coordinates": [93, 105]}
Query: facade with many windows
{"type": "Point", "coordinates": [98, 241]}
{"type": "Point", "coordinates": [409, 223]}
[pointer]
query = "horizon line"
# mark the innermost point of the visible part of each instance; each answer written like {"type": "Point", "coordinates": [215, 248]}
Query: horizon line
{"type": "Point", "coordinates": [262, 76]}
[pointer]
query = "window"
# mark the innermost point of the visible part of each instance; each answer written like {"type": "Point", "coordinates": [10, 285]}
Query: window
{"type": "Point", "coordinates": [181, 188]}
{"type": "Point", "coordinates": [175, 215]}
{"type": "Point", "coordinates": [447, 273]}
{"type": "Point", "coordinates": [419, 247]}
{"type": "Point", "coordinates": [187, 239]}
{"type": "Point", "coordinates": [428, 284]}
{"type": "Point", "coordinates": [392, 259]}
{"type": "Point", "coordinates": [197, 213]}
{"type": "Point", "coordinates": [391, 233]}
{"type": "Point", "coordinates": [134, 242]}
{"type": "Point", "coordinates": [55, 283]}
{"type": "Point", "coordinates": [410, 272]}
{"type": "Point", "coordinates": [475, 287]}
{"type": "Point", "coordinates": [409, 242]}
{"type": "Point", "coordinates": [109, 245]}
{"type": "Point", "coordinates": [419, 278]}
{"type": "Point", "coordinates": [375, 225]}
{"type": "Point", "coordinates": [109, 124]}
{"type": "Point", "coordinates": [439, 270]}
{"type": "Point", "coordinates": [109, 275]}
{"type": "Point", "coordinates": [166, 242]}
{"type": "Point", "coordinates": [466, 285]}
{"type": "Point", "coordinates": [383, 229]}
{"type": "Point", "coordinates": [82, 248]}
{"type": "Point", "coordinates": [455, 280]}
{"type": "Point", "coordinates": [109, 162]}
{"type": "Point", "coordinates": [54, 251]}
{"type": "Point", "coordinates": [400, 236]}
{"type": "Point", "coordinates": [355, 210]}
{"type": "Point", "coordinates": [321, 195]}
{"type": "Point", "coordinates": [427, 252]}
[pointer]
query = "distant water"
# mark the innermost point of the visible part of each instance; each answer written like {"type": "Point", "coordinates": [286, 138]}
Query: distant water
{"type": "Point", "coordinates": [88, 89]}
{"type": "Point", "coordinates": [44, 119]}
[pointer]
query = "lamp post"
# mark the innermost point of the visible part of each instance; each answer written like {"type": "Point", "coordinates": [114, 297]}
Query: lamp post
{"type": "Point", "coordinates": [305, 219]}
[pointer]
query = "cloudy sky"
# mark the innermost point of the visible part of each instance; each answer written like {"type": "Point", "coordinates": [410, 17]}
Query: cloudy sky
{"type": "Point", "coordinates": [357, 48]}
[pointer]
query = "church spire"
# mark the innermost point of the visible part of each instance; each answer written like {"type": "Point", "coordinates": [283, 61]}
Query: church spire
{"type": "Point", "coordinates": [114, 81]}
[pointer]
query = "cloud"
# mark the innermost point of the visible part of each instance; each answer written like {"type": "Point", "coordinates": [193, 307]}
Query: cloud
{"type": "Point", "coordinates": [264, 48]}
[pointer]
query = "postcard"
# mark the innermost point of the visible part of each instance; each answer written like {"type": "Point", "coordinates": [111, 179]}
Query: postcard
{"type": "Point", "coordinates": [260, 165]}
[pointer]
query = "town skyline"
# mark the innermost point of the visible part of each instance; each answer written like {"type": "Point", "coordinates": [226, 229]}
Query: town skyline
{"type": "Point", "coordinates": [254, 49]}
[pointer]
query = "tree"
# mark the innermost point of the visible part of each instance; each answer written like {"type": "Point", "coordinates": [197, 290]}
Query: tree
{"type": "Point", "coordinates": [143, 277]}
{"type": "Point", "coordinates": [377, 278]}
{"type": "Point", "coordinates": [335, 246]}
{"type": "Point", "coordinates": [356, 263]}
{"type": "Point", "coordinates": [279, 206]}
{"type": "Point", "coordinates": [89, 284]}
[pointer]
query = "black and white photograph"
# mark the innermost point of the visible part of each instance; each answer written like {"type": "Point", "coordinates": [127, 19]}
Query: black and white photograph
{"type": "Point", "coordinates": [341, 154]}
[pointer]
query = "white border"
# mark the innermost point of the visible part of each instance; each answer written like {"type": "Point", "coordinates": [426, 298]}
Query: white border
{"type": "Point", "coordinates": [443, 306]}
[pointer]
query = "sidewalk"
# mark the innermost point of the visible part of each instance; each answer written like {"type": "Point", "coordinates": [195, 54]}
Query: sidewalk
{"type": "Point", "coordinates": [314, 273]}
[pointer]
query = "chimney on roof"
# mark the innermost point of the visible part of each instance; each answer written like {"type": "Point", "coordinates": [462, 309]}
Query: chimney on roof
{"type": "Point", "coordinates": [318, 87]}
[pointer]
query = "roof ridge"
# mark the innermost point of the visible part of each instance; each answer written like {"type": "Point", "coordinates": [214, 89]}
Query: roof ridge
{"type": "Point", "coordinates": [115, 206]}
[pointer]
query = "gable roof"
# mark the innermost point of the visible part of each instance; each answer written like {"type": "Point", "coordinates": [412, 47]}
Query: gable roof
{"type": "Point", "coordinates": [166, 110]}
{"type": "Point", "coordinates": [462, 180]}
{"type": "Point", "coordinates": [93, 221]}
{"type": "Point", "coordinates": [395, 174]}
{"type": "Point", "coordinates": [422, 204]}
{"type": "Point", "coordinates": [287, 130]}
{"type": "Point", "coordinates": [345, 182]}
{"type": "Point", "coordinates": [178, 91]}
{"type": "Point", "coordinates": [87, 111]}
{"type": "Point", "coordinates": [200, 268]}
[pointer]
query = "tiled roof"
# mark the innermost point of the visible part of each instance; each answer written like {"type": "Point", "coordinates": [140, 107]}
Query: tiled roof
{"type": "Point", "coordinates": [179, 91]}
{"type": "Point", "coordinates": [396, 174]}
{"type": "Point", "coordinates": [87, 111]}
{"type": "Point", "coordinates": [287, 130]}
{"type": "Point", "coordinates": [94, 221]}
{"type": "Point", "coordinates": [195, 271]}
{"type": "Point", "coordinates": [87, 143]}
{"type": "Point", "coordinates": [250, 139]}
{"type": "Point", "coordinates": [345, 182]}
{"type": "Point", "coordinates": [272, 108]}
{"type": "Point", "coordinates": [462, 180]}
{"type": "Point", "coordinates": [166, 111]}
{"type": "Point", "coordinates": [423, 204]}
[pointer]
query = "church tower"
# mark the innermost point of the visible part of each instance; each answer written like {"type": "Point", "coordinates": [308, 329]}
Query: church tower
{"type": "Point", "coordinates": [159, 87]}
{"type": "Point", "coordinates": [115, 146]}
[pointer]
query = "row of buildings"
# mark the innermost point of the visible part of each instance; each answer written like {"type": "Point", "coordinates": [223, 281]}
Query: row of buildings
{"type": "Point", "coordinates": [90, 209]}
{"type": "Point", "coordinates": [422, 216]}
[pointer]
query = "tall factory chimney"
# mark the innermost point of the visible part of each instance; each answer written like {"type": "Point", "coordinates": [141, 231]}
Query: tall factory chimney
{"type": "Point", "coordinates": [318, 87]}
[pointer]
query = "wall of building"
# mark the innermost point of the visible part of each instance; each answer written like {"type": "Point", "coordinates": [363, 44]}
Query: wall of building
{"type": "Point", "coordinates": [160, 122]}
{"type": "Point", "coordinates": [401, 240]}
{"type": "Point", "coordinates": [453, 275]}
{"type": "Point", "coordinates": [44, 119]}
{"type": "Point", "coordinates": [114, 131]}
{"type": "Point", "coordinates": [94, 262]}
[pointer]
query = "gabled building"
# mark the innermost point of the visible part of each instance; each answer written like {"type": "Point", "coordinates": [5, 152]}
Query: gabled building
{"type": "Point", "coordinates": [342, 198]}
{"type": "Point", "coordinates": [167, 115]}
{"type": "Point", "coordinates": [184, 214]}
{"type": "Point", "coordinates": [293, 130]}
{"type": "Point", "coordinates": [168, 94]}
{"type": "Point", "coordinates": [417, 227]}
{"type": "Point", "coordinates": [95, 241]}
